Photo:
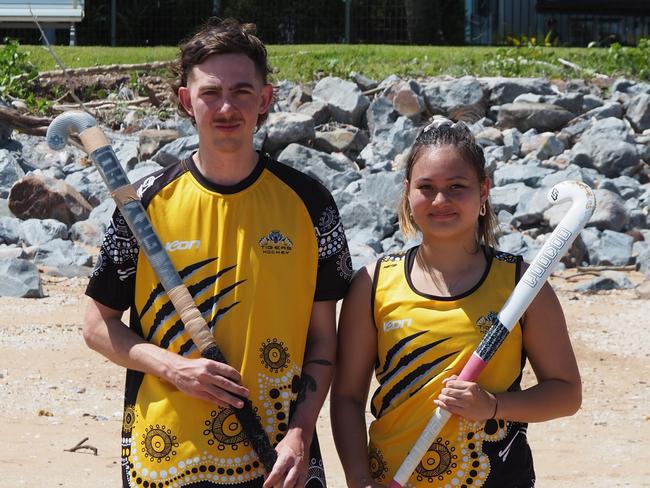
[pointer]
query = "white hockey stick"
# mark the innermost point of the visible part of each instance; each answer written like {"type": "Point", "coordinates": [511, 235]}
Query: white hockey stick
{"type": "Point", "coordinates": [583, 204]}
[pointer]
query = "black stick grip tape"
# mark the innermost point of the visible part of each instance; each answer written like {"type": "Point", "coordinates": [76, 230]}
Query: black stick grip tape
{"type": "Point", "coordinates": [249, 420]}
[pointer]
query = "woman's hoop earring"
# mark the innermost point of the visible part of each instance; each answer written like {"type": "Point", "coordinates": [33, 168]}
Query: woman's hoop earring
{"type": "Point", "coordinates": [482, 211]}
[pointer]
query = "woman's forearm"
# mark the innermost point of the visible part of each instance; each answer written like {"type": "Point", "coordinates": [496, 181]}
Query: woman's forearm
{"type": "Point", "coordinates": [546, 400]}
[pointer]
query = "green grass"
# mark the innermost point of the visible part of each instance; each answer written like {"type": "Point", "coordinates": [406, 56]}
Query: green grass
{"type": "Point", "coordinates": [81, 57]}
{"type": "Point", "coordinates": [305, 62]}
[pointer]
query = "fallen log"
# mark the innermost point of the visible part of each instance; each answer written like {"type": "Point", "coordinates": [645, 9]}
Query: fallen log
{"type": "Point", "coordinates": [627, 267]}
{"type": "Point", "coordinates": [28, 124]}
{"type": "Point", "coordinates": [579, 69]}
{"type": "Point", "coordinates": [92, 70]}
{"type": "Point", "coordinates": [97, 104]}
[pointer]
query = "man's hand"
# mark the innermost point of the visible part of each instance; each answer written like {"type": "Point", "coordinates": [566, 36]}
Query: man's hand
{"type": "Point", "coordinates": [209, 380]}
{"type": "Point", "coordinates": [290, 470]}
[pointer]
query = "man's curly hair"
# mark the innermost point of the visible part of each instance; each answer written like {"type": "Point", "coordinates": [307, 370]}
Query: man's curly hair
{"type": "Point", "coordinates": [219, 36]}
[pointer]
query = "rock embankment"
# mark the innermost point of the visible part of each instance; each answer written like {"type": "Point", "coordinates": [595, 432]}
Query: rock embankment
{"type": "Point", "coordinates": [353, 135]}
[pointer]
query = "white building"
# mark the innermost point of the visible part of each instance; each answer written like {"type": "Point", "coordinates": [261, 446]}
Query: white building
{"type": "Point", "coordinates": [51, 14]}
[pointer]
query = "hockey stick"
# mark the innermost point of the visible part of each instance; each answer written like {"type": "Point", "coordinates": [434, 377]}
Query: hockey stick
{"type": "Point", "coordinates": [97, 146]}
{"type": "Point", "coordinates": [582, 206]}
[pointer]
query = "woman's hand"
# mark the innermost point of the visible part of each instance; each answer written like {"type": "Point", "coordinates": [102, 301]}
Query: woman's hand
{"type": "Point", "coordinates": [467, 399]}
{"type": "Point", "coordinates": [290, 469]}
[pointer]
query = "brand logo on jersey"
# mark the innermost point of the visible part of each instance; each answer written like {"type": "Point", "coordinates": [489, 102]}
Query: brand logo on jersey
{"type": "Point", "coordinates": [397, 324]}
{"type": "Point", "coordinates": [275, 243]}
{"type": "Point", "coordinates": [146, 184]}
{"type": "Point", "coordinates": [182, 245]}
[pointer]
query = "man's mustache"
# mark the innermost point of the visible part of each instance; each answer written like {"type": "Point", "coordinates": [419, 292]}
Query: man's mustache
{"type": "Point", "coordinates": [228, 120]}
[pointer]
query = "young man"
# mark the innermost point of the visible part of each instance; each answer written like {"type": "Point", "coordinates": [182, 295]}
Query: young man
{"type": "Point", "coordinates": [262, 250]}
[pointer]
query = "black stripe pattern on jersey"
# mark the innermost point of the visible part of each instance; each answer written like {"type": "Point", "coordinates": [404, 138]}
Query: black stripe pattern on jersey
{"type": "Point", "coordinates": [397, 348]}
{"type": "Point", "coordinates": [409, 359]}
{"type": "Point", "coordinates": [423, 372]}
{"type": "Point", "coordinates": [206, 307]}
{"type": "Point", "coordinates": [196, 290]}
{"type": "Point", "coordinates": [184, 273]}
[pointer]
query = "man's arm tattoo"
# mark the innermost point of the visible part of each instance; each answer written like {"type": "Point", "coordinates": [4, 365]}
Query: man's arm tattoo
{"type": "Point", "coordinates": [307, 381]}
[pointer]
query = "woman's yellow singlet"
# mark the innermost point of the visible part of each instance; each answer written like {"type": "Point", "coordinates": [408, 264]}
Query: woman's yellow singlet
{"type": "Point", "coordinates": [423, 339]}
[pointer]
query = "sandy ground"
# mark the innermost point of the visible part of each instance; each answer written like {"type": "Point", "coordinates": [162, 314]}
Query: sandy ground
{"type": "Point", "coordinates": [54, 392]}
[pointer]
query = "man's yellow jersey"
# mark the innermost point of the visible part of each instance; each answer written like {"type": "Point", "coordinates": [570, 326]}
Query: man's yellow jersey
{"type": "Point", "coordinates": [255, 256]}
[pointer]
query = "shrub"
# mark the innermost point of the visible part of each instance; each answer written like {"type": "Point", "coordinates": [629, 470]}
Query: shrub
{"type": "Point", "coordinates": [630, 60]}
{"type": "Point", "coordinates": [16, 73]}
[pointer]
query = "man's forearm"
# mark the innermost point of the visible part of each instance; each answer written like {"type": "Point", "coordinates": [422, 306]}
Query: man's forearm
{"type": "Point", "coordinates": [314, 384]}
{"type": "Point", "coordinates": [317, 374]}
{"type": "Point", "coordinates": [108, 335]}
{"type": "Point", "coordinates": [203, 378]}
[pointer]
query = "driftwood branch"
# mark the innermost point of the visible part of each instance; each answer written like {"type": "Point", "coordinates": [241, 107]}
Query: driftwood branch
{"type": "Point", "coordinates": [372, 91]}
{"type": "Point", "coordinates": [109, 68]}
{"type": "Point", "coordinates": [578, 275]}
{"type": "Point", "coordinates": [569, 64]}
{"type": "Point", "coordinates": [546, 64]}
{"type": "Point", "coordinates": [81, 445]}
{"type": "Point", "coordinates": [99, 104]}
{"type": "Point", "coordinates": [594, 271]}
{"type": "Point", "coordinates": [588, 269]}
{"type": "Point", "coordinates": [579, 69]}
{"type": "Point", "coordinates": [29, 124]}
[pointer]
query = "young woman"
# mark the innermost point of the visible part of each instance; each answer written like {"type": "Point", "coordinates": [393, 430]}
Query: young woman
{"type": "Point", "coordinates": [416, 316]}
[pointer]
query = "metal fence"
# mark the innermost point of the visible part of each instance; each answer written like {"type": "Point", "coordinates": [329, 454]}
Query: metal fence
{"type": "Point", "coordinates": [167, 22]}
{"type": "Point", "coordinates": [496, 21]}
{"type": "Point", "coordinates": [488, 22]}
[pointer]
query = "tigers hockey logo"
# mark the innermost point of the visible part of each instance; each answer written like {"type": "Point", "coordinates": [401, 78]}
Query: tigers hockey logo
{"type": "Point", "coordinates": [484, 322]}
{"type": "Point", "coordinates": [275, 243]}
